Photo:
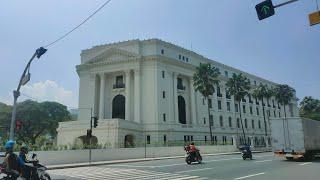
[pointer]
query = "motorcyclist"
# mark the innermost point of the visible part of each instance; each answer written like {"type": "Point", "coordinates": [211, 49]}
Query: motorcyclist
{"type": "Point", "coordinates": [11, 160]}
{"type": "Point", "coordinates": [28, 169]}
{"type": "Point", "coordinates": [193, 150]}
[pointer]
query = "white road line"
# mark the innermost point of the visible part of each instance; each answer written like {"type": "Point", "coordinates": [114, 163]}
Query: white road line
{"type": "Point", "coordinates": [252, 175]}
{"type": "Point", "coordinates": [263, 161]}
{"type": "Point", "coordinates": [305, 163]}
{"type": "Point", "coordinates": [193, 170]}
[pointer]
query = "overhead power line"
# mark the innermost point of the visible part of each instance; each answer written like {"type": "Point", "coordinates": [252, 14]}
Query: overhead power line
{"type": "Point", "coordinates": [84, 21]}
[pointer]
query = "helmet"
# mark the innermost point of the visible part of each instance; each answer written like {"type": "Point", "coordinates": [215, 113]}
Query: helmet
{"type": "Point", "coordinates": [9, 144]}
{"type": "Point", "coordinates": [192, 143]}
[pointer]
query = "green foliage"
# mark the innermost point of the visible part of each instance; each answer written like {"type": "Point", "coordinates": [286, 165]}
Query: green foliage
{"type": "Point", "coordinates": [205, 78]}
{"type": "Point", "coordinates": [5, 118]}
{"type": "Point", "coordinates": [284, 93]}
{"type": "Point", "coordinates": [38, 119]}
{"type": "Point", "coordinates": [262, 91]}
{"type": "Point", "coordinates": [238, 86]}
{"type": "Point", "coordinates": [310, 108]}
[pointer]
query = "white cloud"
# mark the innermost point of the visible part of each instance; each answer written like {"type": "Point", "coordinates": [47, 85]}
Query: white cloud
{"type": "Point", "coordinates": [45, 91]}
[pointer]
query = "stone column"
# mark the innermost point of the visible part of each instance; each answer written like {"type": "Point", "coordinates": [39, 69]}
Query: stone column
{"type": "Point", "coordinates": [102, 95]}
{"type": "Point", "coordinates": [128, 96]}
{"type": "Point", "coordinates": [192, 101]}
{"type": "Point", "coordinates": [137, 96]}
{"type": "Point", "coordinates": [175, 98]}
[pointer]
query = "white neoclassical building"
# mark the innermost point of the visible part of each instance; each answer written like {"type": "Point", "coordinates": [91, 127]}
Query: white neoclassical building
{"type": "Point", "coordinates": [142, 91]}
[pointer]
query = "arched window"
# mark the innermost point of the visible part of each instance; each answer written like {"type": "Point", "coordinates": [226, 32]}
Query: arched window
{"type": "Point", "coordinates": [118, 107]}
{"type": "Point", "coordinates": [221, 121]}
{"type": "Point", "coordinates": [182, 110]}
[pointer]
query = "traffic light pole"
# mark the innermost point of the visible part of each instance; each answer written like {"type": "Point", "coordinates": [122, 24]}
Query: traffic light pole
{"type": "Point", "coordinates": [285, 3]}
{"type": "Point", "coordinates": [90, 153]}
{"type": "Point", "coordinates": [16, 93]}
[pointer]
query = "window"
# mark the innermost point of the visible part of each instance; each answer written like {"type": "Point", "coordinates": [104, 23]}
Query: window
{"type": "Point", "coordinates": [183, 58]}
{"type": "Point", "coordinates": [226, 73]}
{"type": "Point", "coordinates": [259, 124]}
{"type": "Point", "coordinates": [252, 124]}
{"type": "Point", "coordinates": [228, 95]}
{"type": "Point", "coordinates": [274, 113]}
{"type": "Point", "coordinates": [162, 74]}
{"type": "Point", "coordinates": [210, 103]}
{"type": "Point", "coordinates": [224, 139]}
{"type": "Point", "coordinates": [236, 107]}
{"type": "Point", "coordinates": [257, 111]}
{"type": "Point", "coordinates": [245, 123]}
{"type": "Point", "coordinates": [279, 114]}
{"type": "Point", "coordinates": [191, 138]}
{"type": "Point", "coordinates": [250, 99]}
{"type": "Point", "coordinates": [187, 59]}
{"type": "Point", "coordinates": [163, 94]}
{"type": "Point", "coordinates": [255, 82]}
{"type": "Point", "coordinates": [162, 51]}
{"type": "Point", "coordinates": [251, 110]}
{"type": "Point", "coordinates": [180, 84]}
{"type": "Point", "coordinates": [230, 122]}
{"type": "Point", "coordinates": [179, 56]}
{"type": "Point", "coordinates": [148, 139]}
{"type": "Point", "coordinates": [204, 120]}
{"type": "Point", "coordinates": [221, 121]}
{"type": "Point", "coordinates": [205, 138]}
{"type": "Point", "coordinates": [219, 92]}
{"type": "Point", "coordinates": [164, 117]}
{"type": "Point", "coordinates": [119, 80]}
{"type": "Point", "coordinates": [211, 119]}
{"type": "Point", "coordinates": [164, 139]}
{"type": "Point", "coordinates": [219, 105]}
{"type": "Point", "coordinates": [238, 123]}
{"type": "Point", "coordinates": [214, 138]}
{"type": "Point", "coordinates": [228, 106]}
{"type": "Point", "coordinates": [244, 108]}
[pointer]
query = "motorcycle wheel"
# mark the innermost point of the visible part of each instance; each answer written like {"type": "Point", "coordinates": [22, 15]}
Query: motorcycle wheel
{"type": "Point", "coordinates": [244, 158]}
{"type": "Point", "coordinates": [46, 176]}
{"type": "Point", "coordinates": [199, 159]}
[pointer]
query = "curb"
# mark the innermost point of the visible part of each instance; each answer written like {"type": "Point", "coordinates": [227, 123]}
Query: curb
{"type": "Point", "coordinates": [100, 163]}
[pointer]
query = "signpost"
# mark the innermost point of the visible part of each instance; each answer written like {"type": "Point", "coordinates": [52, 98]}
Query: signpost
{"type": "Point", "coordinates": [314, 18]}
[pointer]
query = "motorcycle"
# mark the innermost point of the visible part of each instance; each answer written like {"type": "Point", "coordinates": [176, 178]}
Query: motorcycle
{"type": "Point", "coordinates": [246, 154]}
{"type": "Point", "coordinates": [40, 171]}
{"type": "Point", "coordinates": [190, 158]}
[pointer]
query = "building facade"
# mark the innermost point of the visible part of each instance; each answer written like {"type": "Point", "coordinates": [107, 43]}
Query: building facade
{"type": "Point", "coordinates": [142, 91]}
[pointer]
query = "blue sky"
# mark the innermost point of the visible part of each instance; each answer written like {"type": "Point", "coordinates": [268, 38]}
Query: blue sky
{"type": "Point", "coordinates": [283, 48]}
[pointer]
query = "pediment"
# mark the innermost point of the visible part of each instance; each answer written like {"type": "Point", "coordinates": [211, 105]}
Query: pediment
{"type": "Point", "coordinates": [113, 55]}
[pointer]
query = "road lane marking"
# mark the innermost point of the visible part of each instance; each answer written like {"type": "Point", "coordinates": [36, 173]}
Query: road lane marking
{"type": "Point", "coordinates": [305, 163]}
{"type": "Point", "coordinates": [252, 175]}
{"type": "Point", "coordinates": [263, 161]}
{"type": "Point", "coordinates": [193, 170]}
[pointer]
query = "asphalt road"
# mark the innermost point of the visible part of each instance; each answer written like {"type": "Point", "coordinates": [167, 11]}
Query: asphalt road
{"type": "Point", "coordinates": [264, 166]}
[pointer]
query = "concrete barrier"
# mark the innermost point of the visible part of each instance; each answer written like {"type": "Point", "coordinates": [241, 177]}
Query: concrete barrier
{"type": "Point", "coordinates": [82, 156]}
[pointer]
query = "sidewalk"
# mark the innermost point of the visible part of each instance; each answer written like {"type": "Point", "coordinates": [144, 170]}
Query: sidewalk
{"type": "Point", "coordinates": [98, 163]}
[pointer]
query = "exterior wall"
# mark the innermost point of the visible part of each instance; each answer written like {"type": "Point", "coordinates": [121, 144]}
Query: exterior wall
{"type": "Point", "coordinates": [142, 64]}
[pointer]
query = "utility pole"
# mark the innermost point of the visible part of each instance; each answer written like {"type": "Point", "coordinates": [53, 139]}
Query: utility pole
{"type": "Point", "coordinates": [24, 79]}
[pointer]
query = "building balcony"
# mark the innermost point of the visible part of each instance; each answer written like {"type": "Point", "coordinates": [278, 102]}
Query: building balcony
{"type": "Point", "coordinates": [244, 100]}
{"type": "Point", "coordinates": [119, 86]}
{"type": "Point", "coordinates": [263, 104]}
{"type": "Point", "coordinates": [181, 87]}
{"type": "Point", "coordinates": [250, 101]}
{"type": "Point", "coordinates": [257, 102]}
{"type": "Point", "coordinates": [274, 106]}
{"type": "Point", "coordinates": [269, 105]}
{"type": "Point", "coordinates": [228, 96]}
{"type": "Point", "coordinates": [219, 95]}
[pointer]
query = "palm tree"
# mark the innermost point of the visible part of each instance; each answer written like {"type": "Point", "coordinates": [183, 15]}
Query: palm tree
{"type": "Point", "coordinates": [239, 86]}
{"type": "Point", "coordinates": [284, 94]}
{"type": "Point", "coordinates": [260, 92]}
{"type": "Point", "coordinates": [204, 79]}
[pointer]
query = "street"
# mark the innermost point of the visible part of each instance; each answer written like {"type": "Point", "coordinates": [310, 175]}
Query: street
{"type": "Point", "coordinates": [264, 167]}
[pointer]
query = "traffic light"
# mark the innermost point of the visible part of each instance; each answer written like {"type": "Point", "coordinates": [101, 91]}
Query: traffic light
{"type": "Point", "coordinates": [89, 133]}
{"type": "Point", "coordinates": [40, 52]}
{"type": "Point", "coordinates": [265, 9]}
{"type": "Point", "coordinates": [18, 125]}
{"type": "Point", "coordinates": [95, 121]}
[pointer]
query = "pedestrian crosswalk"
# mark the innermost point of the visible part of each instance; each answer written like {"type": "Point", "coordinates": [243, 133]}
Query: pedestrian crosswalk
{"type": "Point", "coordinates": [100, 173]}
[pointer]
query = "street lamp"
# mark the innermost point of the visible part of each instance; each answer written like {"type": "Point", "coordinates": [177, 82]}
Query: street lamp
{"type": "Point", "coordinates": [24, 79]}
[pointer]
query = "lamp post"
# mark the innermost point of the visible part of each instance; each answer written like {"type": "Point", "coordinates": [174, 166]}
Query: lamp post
{"type": "Point", "coordinates": [24, 79]}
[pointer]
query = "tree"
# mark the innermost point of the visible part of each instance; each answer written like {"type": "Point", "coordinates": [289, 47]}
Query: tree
{"type": "Point", "coordinates": [39, 119]}
{"type": "Point", "coordinates": [239, 86]}
{"type": "Point", "coordinates": [204, 79]}
{"type": "Point", "coordinates": [261, 92]}
{"type": "Point", "coordinates": [310, 108]}
{"type": "Point", "coordinates": [5, 118]}
{"type": "Point", "coordinates": [284, 94]}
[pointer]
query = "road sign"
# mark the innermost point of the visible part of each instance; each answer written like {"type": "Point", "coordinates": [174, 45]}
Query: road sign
{"type": "Point", "coordinates": [265, 9]}
{"type": "Point", "coordinates": [314, 18]}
